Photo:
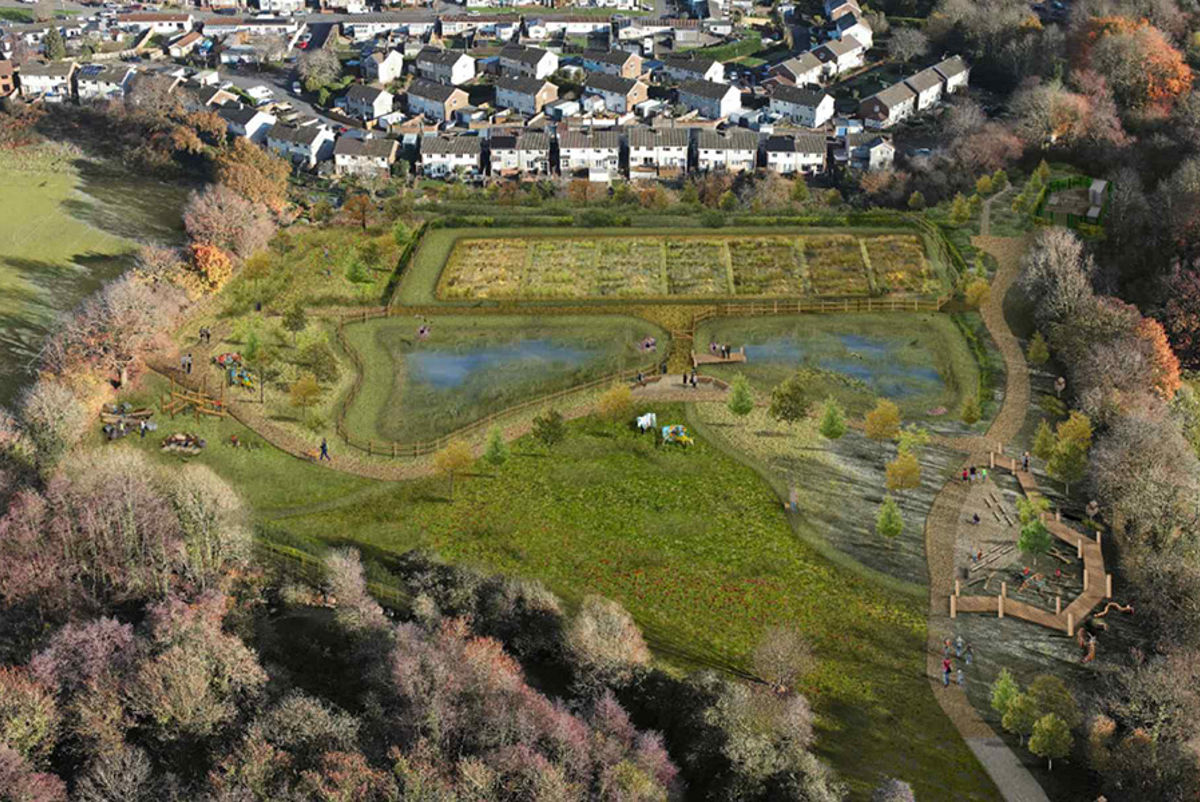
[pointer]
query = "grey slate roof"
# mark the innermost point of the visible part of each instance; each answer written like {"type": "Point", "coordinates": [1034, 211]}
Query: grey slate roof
{"type": "Point", "coordinates": [458, 144]}
{"type": "Point", "coordinates": [239, 114]}
{"type": "Point", "coordinates": [446, 58]}
{"type": "Point", "coordinates": [798, 95]}
{"type": "Point", "coordinates": [798, 143]}
{"type": "Point", "coordinates": [924, 80]}
{"type": "Point", "coordinates": [604, 82]}
{"type": "Point", "coordinates": [525, 55]}
{"type": "Point", "coordinates": [431, 90]}
{"type": "Point", "coordinates": [534, 140]}
{"type": "Point", "coordinates": [296, 134]}
{"type": "Point", "coordinates": [734, 140]}
{"type": "Point", "coordinates": [894, 95]}
{"type": "Point", "coordinates": [951, 67]}
{"type": "Point", "coordinates": [523, 84]}
{"type": "Point", "coordinates": [56, 69]}
{"type": "Point", "coordinates": [706, 89]}
{"type": "Point", "coordinates": [840, 47]}
{"type": "Point", "coordinates": [697, 64]}
{"type": "Point", "coordinates": [801, 64]}
{"type": "Point", "coordinates": [371, 148]}
{"type": "Point", "coordinates": [615, 57]}
{"type": "Point", "coordinates": [361, 93]}
{"type": "Point", "coordinates": [595, 140]}
{"type": "Point", "coordinates": [642, 137]}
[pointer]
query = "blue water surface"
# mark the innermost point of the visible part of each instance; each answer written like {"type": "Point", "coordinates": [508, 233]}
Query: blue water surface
{"type": "Point", "coordinates": [876, 363]}
{"type": "Point", "coordinates": [444, 369]}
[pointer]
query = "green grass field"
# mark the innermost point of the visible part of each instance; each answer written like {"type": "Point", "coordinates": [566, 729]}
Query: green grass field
{"type": "Point", "coordinates": [919, 360]}
{"type": "Point", "coordinates": [693, 543]}
{"type": "Point", "coordinates": [60, 239]}
{"type": "Point", "coordinates": [471, 366]}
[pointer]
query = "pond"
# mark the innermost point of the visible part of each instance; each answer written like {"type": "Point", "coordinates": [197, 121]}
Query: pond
{"type": "Point", "coordinates": [446, 370]}
{"type": "Point", "coordinates": [63, 233]}
{"type": "Point", "coordinates": [882, 364]}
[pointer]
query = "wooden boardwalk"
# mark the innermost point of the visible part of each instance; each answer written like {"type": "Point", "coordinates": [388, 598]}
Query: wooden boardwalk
{"type": "Point", "coordinates": [712, 359]}
{"type": "Point", "coordinates": [1097, 584]}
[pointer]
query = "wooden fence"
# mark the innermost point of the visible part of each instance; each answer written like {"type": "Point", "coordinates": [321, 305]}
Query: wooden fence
{"type": "Point", "coordinates": [786, 307]}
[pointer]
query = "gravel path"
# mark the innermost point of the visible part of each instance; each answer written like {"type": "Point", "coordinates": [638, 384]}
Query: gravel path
{"type": "Point", "coordinates": [1015, 782]}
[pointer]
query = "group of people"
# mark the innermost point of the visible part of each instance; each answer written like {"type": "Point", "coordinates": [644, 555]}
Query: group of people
{"type": "Point", "coordinates": [958, 650]}
{"type": "Point", "coordinates": [722, 350]}
{"type": "Point", "coordinates": [690, 379]}
{"type": "Point", "coordinates": [971, 474]}
{"type": "Point", "coordinates": [185, 363]}
{"type": "Point", "coordinates": [205, 335]}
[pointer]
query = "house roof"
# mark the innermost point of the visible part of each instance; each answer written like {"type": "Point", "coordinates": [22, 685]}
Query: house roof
{"type": "Point", "coordinates": [866, 139]}
{"type": "Point", "coordinates": [238, 114]}
{"type": "Point", "coordinates": [707, 89]}
{"type": "Point", "coordinates": [521, 84]}
{"type": "Point", "coordinates": [525, 55]}
{"type": "Point", "coordinates": [446, 58]}
{"type": "Point", "coordinates": [53, 69]}
{"type": "Point", "coordinates": [504, 142]}
{"type": "Point", "coordinates": [533, 140]}
{"type": "Point", "coordinates": [123, 18]}
{"type": "Point", "coordinates": [641, 137]}
{"type": "Point", "coordinates": [796, 143]}
{"type": "Point", "coordinates": [373, 148]}
{"type": "Point", "coordinates": [798, 95]}
{"type": "Point", "coordinates": [603, 82]}
{"type": "Point", "coordinates": [431, 90]}
{"type": "Point", "coordinates": [799, 65]}
{"type": "Point", "coordinates": [847, 21]}
{"type": "Point", "coordinates": [840, 47]}
{"type": "Point", "coordinates": [296, 134]}
{"type": "Point", "coordinates": [361, 93]}
{"type": "Point", "coordinates": [595, 140]}
{"type": "Point", "coordinates": [951, 67]}
{"type": "Point", "coordinates": [734, 140]}
{"type": "Point", "coordinates": [924, 80]}
{"type": "Point", "coordinates": [894, 95]}
{"type": "Point", "coordinates": [450, 145]}
{"type": "Point", "coordinates": [380, 56]}
{"type": "Point", "coordinates": [109, 73]}
{"type": "Point", "coordinates": [697, 64]}
{"type": "Point", "coordinates": [186, 39]}
{"type": "Point", "coordinates": [618, 58]}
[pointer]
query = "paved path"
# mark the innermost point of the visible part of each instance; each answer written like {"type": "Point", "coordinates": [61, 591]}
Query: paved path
{"type": "Point", "coordinates": [985, 214]}
{"type": "Point", "coordinates": [1015, 782]}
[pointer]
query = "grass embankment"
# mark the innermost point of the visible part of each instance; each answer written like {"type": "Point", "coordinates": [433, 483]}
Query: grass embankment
{"type": "Point", "coordinates": [693, 543]}
{"type": "Point", "coordinates": [919, 360]}
{"type": "Point", "coordinates": [469, 367]}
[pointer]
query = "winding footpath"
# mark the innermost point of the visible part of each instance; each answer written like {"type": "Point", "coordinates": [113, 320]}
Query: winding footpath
{"type": "Point", "coordinates": [1015, 782]}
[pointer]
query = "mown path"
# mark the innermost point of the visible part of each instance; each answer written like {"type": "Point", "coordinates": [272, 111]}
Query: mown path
{"type": "Point", "coordinates": [941, 526]}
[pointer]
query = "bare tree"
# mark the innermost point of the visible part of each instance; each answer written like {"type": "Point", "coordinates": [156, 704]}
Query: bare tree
{"type": "Point", "coordinates": [907, 44]}
{"type": "Point", "coordinates": [783, 655]}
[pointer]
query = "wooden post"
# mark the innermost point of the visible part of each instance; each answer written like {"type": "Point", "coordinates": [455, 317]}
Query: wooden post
{"type": "Point", "coordinates": [1085, 579]}
{"type": "Point", "coordinates": [954, 607]}
{"type": "Point", "coordinates": [1058, 604]}
{"type": "Point", "coordinates": [1013, 463]}
{"type": "Point", "coordinates": [1004, 590]}
{"type": "Point", "coordinates": [1070, 625]}
{"type": "Point", "coordinates": [1108, 586]}
{"type": "Point", "coordinates": [1097, 538]}
{"type": "Point", "coordinates": [1000, 607]}
{"type": "Point", "coordinates": [957, 587]}
{"type": "Point", "coordinates": [992, 460]}
{"type": "Point", "coordinates": [1057, 514]}
{"type": "Point", "coordinates": [1079, 548]}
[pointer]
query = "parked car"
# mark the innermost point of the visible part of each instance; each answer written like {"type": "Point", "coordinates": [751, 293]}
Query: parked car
{"type": "Point", "coordinates": [297, 88]}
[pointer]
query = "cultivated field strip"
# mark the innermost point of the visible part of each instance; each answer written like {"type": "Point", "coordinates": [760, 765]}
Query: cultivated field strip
{"type": "Point", "coordinates": [817, 265]}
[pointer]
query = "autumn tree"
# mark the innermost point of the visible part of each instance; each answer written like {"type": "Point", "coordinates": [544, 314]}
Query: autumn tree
{"type": "Point", "coordinates": [212, 264]}
{"type": "Point", "coordinates": [883, 422]}
{"type": "Point", "coordinates": [1073, 438]}
{"type": "Point", "coordinates": [889, 523]}
{"type": "Point", "coordinates": [904, 472]}
{"type": "Point", "coordinates": [604, 642]}
{"type": "Point", "coordinates": [219, 216]}
{"type": "Point", "coordinates": [304, 393]}
{"type": "Point", "coordinates": [616, 403]}
{"type": "Point", "coordinates": [254, 173]}
{"type": "Point", "coordinates": [358, 209]}
{"type": "Point", "coordinates": [1043, 441]}
{"type": "Point", "coordinates": [977, 293]}
{"type": "Point", "coordinates": [970, 410]}
{"type": "Point", "coordinates": [1034, 538]}
{"type": "Point", "coordinates": [791, 398]}
{"type": "Point", "coordinates": [454, 458]}
{"type": "Point", "coordinates": [1140, 64]}
{"type": "Point", "coordinates": [213, 524]}
{"type": "Point", "coordinates": [916, 201]}
{"type": "Point", "coordinates": [741, 398]}
{"type": "Point", "coordinates": [53, 419]}
{"type": "Point", "coordinates": [356, 609]}
{"type": "Point", "coordinates": [29, 717]}
{"type": "Point", "coordinates": [1058, 274]}
{"type": "Point", "coordinates": [960, 212]}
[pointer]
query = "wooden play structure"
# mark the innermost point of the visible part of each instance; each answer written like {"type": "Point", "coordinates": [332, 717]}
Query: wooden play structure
{"type": "Point", "coordinates": [180, 399]}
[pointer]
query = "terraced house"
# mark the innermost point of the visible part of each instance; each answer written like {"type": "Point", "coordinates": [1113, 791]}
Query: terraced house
{"type": "Point", "coordinates": [47, 79]}
{"type": "Point", "coordinates": [803, 154]}
{"type": "Point", "coordinates": [305, 145]}
{"type": "Point", "coordinates": [620, 95]}
{"type": "Point", "coordinates": [712, 100]}
{"type": "Point", "coordinates": [524, 94]}
{"type": "Point", "coordinates": [928, 87]}
{"type": "Point", "coordinates": [805, 106]}
{"type": "Point", "coordinates": [735, 151]}
{"type": "Point", "coordinates": [694, 68]}
{"type": "Point", "coordinates": [370, 158]}
{"type": "Point", "coordinates": [96, 82]}
{"type": "Point", "coordinates": [657, 151]}
{"type": "Point", "coordinates": [445, 66]}
{"type": "Point", "coordinates": [597, 152]}
{"type": "Point", "coordinates": [532, 62]}
{"type": "Point", "coordinates": [840, 55]}
{"type": "Point", "coordinates": [433, 100]}
{"type": "Point", "coordinates": [888, 107]}
{"type": "Point", "coordinates": [368, 102]}
{"type": "Point", "coordinates": [618, 63]}
{"type": "Point", "coordinates": [800, 70]}
{"type": "Point", "coordinates": [457, 155]}
{"type": "Point", "coordinates": [526, 153]}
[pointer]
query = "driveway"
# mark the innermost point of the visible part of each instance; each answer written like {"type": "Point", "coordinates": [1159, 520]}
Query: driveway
{"type": "Point", "coordinates": [280, 83]}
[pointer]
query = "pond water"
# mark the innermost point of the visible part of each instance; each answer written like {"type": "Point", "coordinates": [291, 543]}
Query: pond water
{"type": "Point", "coordinates": [883, 364]}
{"type": "Point", "coordinates": [62, 235]}
{"type": "Point", "coordinates": [446, 370]}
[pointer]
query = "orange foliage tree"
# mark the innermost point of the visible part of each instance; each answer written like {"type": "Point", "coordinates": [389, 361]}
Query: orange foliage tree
{"type": "Point", "coordinates": [1141, 66]}
{"type": "Point", "coordinates": [212, 263]}
{"type": "Point", "coordinates": [1165, 364]}
{"type": "Point", "coordinates": [253, 173]}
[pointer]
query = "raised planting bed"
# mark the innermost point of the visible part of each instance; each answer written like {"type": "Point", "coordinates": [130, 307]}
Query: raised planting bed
{"type": "Point", "coordinates": [899, 264]}
{"type": "Point", "coordinates": [767, 266]}
{"type": "Point", "coordinates": [835, 265]}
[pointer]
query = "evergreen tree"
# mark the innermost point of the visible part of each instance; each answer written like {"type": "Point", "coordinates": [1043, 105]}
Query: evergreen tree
{"type": "Point", "coordinates": [999, 180]}
{"type": "Point", "coordinates": [800, 193]}
{"type": "Point", "coordinates": [496, 452]}
{"type": "Point", "coordinates": [1004, 690]}
{"type": "Point", "coordinates": [916, 201]}
{"type": "Point", "coordinates": [889, 523]}
{"type": "Point", "coordinates": [960, 210]}
{"type": "Point", "coordinates": [983, 186]}
{"type": "Point", "coordinates": [833, 420]}
{"type": "Point", "coordinates": [549, 429]}
{"type": "Point", "coordinates": [970, 410]}
{"type": "Point", "coordinates": [1039, 352]}
{"type": "Point", "coordinates": [55, 47]}
{"type": "Point", "coordinates": [1043, 441]}
{"type": "Point", "coordinates": [741, 399]}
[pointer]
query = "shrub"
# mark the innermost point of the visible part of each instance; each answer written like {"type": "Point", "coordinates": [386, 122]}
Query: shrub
{"type": "Point", "coordinates": [883, 422]}
{"type": "Point", "coordinates": [604, 643]}
{"type": "Point", "coordinates": [889, 523]}
{"type": "Point", "coordinates": [615, 404]}
{"type": "Point", "coordinates": [741, 399]}
{"type": "Point", "coordinates": [833, 420]}
{"type": "Point", "coordinates": [496, 452]}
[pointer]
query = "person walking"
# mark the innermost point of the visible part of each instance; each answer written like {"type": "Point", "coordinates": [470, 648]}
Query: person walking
{"type": "Point", "coordinates": [958, 646]}
{"type": "Point", "coordinates": [189, 364]}
{"type": "Point", "coordinates": [324, 451]}
{"type": "Point", "coordinates": [946, 672]}
{"type": "Point", "coordinates": [969, 655]}
{"type": "Point", "coordinates": [973, 474]}
{"type": "Point", "coordinates": [984, 470]}
{"type": "Point", "coordinates": [1025, 462]}
{"type": "Point", "coordinates": [964, 474]}
{"type": "Point", "coordinates": [961, 678]}
{"type": "Point", "coordinates": [142, 429]}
